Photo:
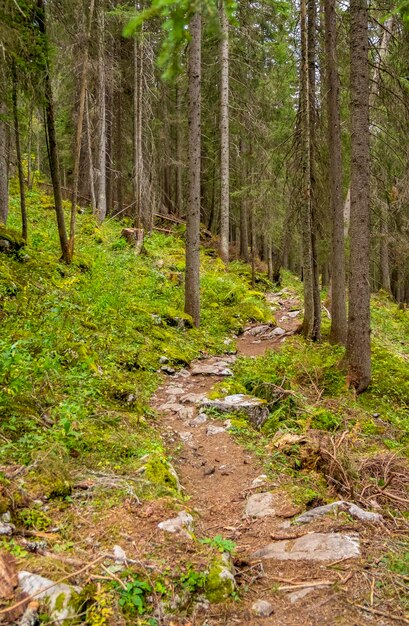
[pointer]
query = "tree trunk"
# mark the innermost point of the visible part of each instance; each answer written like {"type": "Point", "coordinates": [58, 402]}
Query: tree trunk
{"type": "Point", "coordinates": [102, 201]}
{"type": "Point", "coordinates": [224, 133]}
{"type": "Point", "coordinates": [338, 333]}
{"type": "Point", "coordinates": [18, 154]}
{"type": "Point", "coordinates": [192, 283]}
{"type": "Point", "coordinates": [306, 221]}
{"type": "Point", "coordinates": [78, 133]}
{"type": "Point", "coordinates": [178, 141]}
{"type": "Point", "coordinates": [358, 339]}
{"type": "Point", "coordinates": [90, 156]}
{"type": "Point", "coordinates": [4, 162]}
{"type": "Point", "coordinates": [52, 138]}
{"type": "Point", "coordinates": [384, 249]}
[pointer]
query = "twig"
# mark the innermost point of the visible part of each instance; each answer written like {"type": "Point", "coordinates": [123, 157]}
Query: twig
{"type": "Point", "coordinates": [317, 583]}
{"type": "Point", "coordinates": [57, 582]}
{"type": "Point", "coordinates": [114, 577]}
{"type": "Point", "coordinates": [391, 616]}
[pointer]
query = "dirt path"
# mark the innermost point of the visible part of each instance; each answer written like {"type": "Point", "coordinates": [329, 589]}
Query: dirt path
{"type": "Point", "coordinates": [217, 474]}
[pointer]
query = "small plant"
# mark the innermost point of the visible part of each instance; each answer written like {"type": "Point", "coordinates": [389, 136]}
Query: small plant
{"type": "Point", "coordinates": [221, 544]}
{"type": "Point", "coordinates": [192, 580]}
{"type": "Point", "coordinates": [132, 596]}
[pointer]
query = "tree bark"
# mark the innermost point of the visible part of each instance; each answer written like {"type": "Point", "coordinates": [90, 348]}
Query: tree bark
{"type": "Point", "coordinates": [18, 154]}
{"type": "Point", "coordinates": [192, 282]}
{"type": "Point", "coordinates": [338, 333]}
{"type": "Point", "coordinates": [102, 202]}
{"type": "Point", "coordinates": [90, 156]}
{"type": "Point", "coordinates": [384, 249]}
{"type": "Point", "coordinates": [52, 137]}
{"type": "Point", "coordinates": [358, 339]}
{"type": "Point", "coordinates": [4, 162]}
{"type": "Point", "coordinates": [224, 133]}
{"type": "Point", "coordinates": [78, 132]}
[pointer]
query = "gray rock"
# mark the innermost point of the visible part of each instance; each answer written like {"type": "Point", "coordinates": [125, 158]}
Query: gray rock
{"type": "Point", "coordinates": [293, 313]}
{"type": "Point", "coordinates": [186, 413]}
{"type": "Point", "coordinates": [171, 406]}
{"type": "Point", "coordinates": [259, 481]}
{"type": "Point", "coordinates": [168, 370]}
{"type": "Point", "coordinates": [260, 505]}
{"type": "Point", "coordinates": [195, 398]}
{"type": "Point", "coordinates": [340, 505]}
{"type": "Point", "coordinates": [163, 360]}
{"type": "Point", "coordinates": [6, 529]}
{"type": "Point", "coordinates": [199, 420]}
{"type": "Point", "coordinates": [6, 517]}
{"type": "Point", "coordinates": [218, 369]}
{"type": "Point", "coordinates": [175, 391]}
{"type": "Point", "coordinates": [299, 595]}
{"type": "Point", "coordinates": [255, 409]}
{"type": "Point", "coordinates": [277, 332]}
{"type": "Point", "coordinates": [58, 597]}
{"type": "Point", "coordinates": [257, 330]}
{"type": "Point", "coordinates": [262, 608]}
{"type": "Point", "coordinates": [215, 430]}
{"type": "Point", "coordinates": [312, 547]}
{"type": "Point", "coordinates": [186, 436]}
{"type": "Point", "coordinates": [119, 554]}
{"type": "Point", "coordinates": [183, 522]}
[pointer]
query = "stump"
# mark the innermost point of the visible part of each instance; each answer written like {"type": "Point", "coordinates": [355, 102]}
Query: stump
{"type": "Point", "coordinates": [134, 237]}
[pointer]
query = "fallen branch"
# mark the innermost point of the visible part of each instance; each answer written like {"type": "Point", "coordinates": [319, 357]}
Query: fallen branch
{"type": "Point", "coordinates": [317, 583]}
{"type": "Point", "coordinates": [391, 616]}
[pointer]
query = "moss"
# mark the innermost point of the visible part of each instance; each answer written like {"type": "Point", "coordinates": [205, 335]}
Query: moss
{"type": "Point", "coordinates": [61, 489]}
{"type": "Point", "coordinates": [14, 238]}
{"type": "Point", "coordinates": [220, 583]}
{"type": "Point", "coordinates": [4, 504]}
{"type": "Point", "coordinates": [160, 472]}
{"type": "Point", "coordinates": [33, 518]}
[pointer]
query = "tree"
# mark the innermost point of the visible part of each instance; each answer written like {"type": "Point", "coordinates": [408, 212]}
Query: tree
{"type": "Point", "coordinates": [224, 133]}
{"type": "Point", "coordinates": [358, 339]}
{"type": "Point", "coordinates": [338, 331]}
{"type": "Point", "coordinates": [101, 208]}
{"type": "Point", "coordinates": [192, 281]}
{"type": "Point", "coordinates": [18, 154]}
{"type": "Point", "coordinates": [4, 161]}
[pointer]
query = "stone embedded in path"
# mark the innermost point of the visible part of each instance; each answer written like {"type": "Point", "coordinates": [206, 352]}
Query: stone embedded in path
{"type": "Point", "coordinates": [293, 313]}
{"type": "Point", "coordinates": [262, 608]}
{"type": "Point", "coordinates": [217, 369]}
{"type": "Point", "coordinates": [257, 330]}
{"type": "Point", "coordinates": [215, 430]}
{"type": "Point", "coordinates": [183, 522]}
{"type": "Point", "coordinates": [195, 398]}
{"type": "Point", "coordinates": [260, 505]}
{"type": "Point", "coordinates": [259, 481]}
{"type": "Point", "coordinates": [200, 419]}
{"type": "Point", "coordinates": [255, 409]}
{"type": "Point", "coordinates": [278, 331]}
{"type": "Point", "coordinates": [312, 547]}
{"type": "Point", "coordinates": [340, 505]}
{"type": "Point", "coordinates": [171, 406]}
{"type": "Point", "coordinates": [299, 595]}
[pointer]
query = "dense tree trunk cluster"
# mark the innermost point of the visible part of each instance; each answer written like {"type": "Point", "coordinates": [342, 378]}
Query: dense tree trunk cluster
{"type": "Point", "coordinates": [231, 115]}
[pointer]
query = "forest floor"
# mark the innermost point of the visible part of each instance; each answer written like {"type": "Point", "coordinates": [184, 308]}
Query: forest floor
{"type": "Point", "coordinates": [102, 379]}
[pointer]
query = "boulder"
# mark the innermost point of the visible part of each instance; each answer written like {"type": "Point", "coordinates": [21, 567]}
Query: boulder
{"type": "Point", "coordinates": [262, 608]}
{"type": "Point", "coordinates": [255, 409]}
{"type": "Point", "coordinates": [59, 598]}
{"type": "Point", "coordinates": [260, 505]}
{"type": "Point", "coordinates": [312, 547]}
{"type": "Point", "coordinates": [220, 581]}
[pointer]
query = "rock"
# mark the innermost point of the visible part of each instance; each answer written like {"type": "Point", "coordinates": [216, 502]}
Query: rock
{"type": "Point", "coordinates": [30, 616]}
{"type": "Point", "coordinates": [175, 391]}
{"type": "Point", "coordinates": [171, 406]}
{"type": "Point", "coordinates": [255, 409]}
{"type": "Point", "coordinates": [186, 436]}
{"type": "Point", "coordinates": [119, 554]}
{"type": "Point", "coordinates": [293, 313]}
{"type": "Point", "coordinates": [168, 370]}
{"type": "Point", "coordinates": [312, 547]}
{"type": "Point", "coordinates": [218, 369]}
{"type": "Point", "coordinates": [278, 331]}
{"type": "Point", "coordinates": [257, 330]}
{"type": "Point", "coordinates": [259, 505]}
{"type": "Point", "coordinates": [215, 430]}
{"type": "Point", "coordinates": [163, 360]}
{"type": "Point", "coordinates": [299, 595]}
{"type": "Point", "coordinates": [259, 481]}
{"type": "Point", "coordinates": [220, 581]}
{"type": "Point", "coordinates": [6, 529]}
{"type": "Point", "coordinates": [209, 471]}
{"type": "Point", "coordinates": [6, 517]}
{"type": "Point", "coordinates": [183, 522]}
{"type": "Point", "coordinates": [186, 413]}
{"type": "Point", "coordinates": [262, 608]}
{"type": "Point", "coordinates": [340, 505]}
{"type": "Point", "coordinates": [59, 597]}
{"type": "Point", "coordinates": [195, 398]}
{"type": "Point", "coordinates": [200, 419]}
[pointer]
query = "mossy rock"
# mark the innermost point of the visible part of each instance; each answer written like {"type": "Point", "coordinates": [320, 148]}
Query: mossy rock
{"type": "Point", "coordinates": [10, 240]}
{"type": "Point", "coordinates": [160, 472]}
{"type": "Point", "coordinates": [220, 582]}
{"type": "Point", "coordinates": [60, 489]}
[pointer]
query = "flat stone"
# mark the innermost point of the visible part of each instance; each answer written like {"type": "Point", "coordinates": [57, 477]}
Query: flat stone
{"type": "Point", "coordinates": [58, 597]}
{"type": "Point", "coordinates": [171, 406]}
{"type": "Point", "coordinates": [183, 522]}
{"type": "Point", "coordinates": [312, 547]}
{"type": "Point", "coordinates": [340, 505]}
{"type": "Point", "coordinates": [119, 554]}
{"type": "Point", "coordinates": [186, 412]}
{"type": "Point", "coordinates": [199, 420]}
{"type": "Point", "coordinates": [215, 430]}
{"type": "Point", "coordinates": [278, 331]}
{"type": "Point", "coordinates": [211, 370]}
{"type": "Point", "coordinates": [293, 313]}
{"type": "Point", "coordinates": [175, 391]}
{"type": "Point", "coordinates": [257, 330]}
{"type": "Point", "coordinates": [260, 505]}
{"type": "Point", "coordinates": [262, 608]}
{"type": "Point", "coordinates": [255, 409]}
{"type": "Point", "coordinates": [299, 595]}
{"type": "Point", "coordinates": [195, 398]}
{"type": "Point", "coordinates": [259, 481]}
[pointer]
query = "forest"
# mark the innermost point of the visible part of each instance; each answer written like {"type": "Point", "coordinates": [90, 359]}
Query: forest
{"type": "Point", "coordinates": [204, 312]}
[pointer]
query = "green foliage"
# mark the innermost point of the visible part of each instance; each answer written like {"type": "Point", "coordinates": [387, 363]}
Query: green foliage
{"type": "Point", "coordinates": [34, 518]}
{"type": "Point", "coordinates": [221, 544]}
{"type": "Point", "coordinates": [132, 596]}
{"type": "Point", "coordinates": [192, 580]}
